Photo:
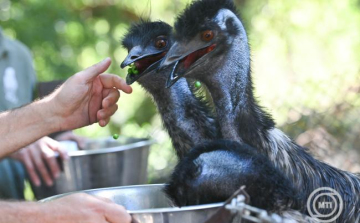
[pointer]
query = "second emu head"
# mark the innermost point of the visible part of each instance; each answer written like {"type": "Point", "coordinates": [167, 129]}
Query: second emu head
{"type": "Point", "coordinates": [147, 44]}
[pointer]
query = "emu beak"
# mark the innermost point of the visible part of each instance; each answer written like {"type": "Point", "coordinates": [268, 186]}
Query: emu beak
{"type": "Point", "coordinates": [172, 79]}
{"type": "Point", "coordinates": [175, 54]}
{"type": "Point", "coordinates": [145, 61]}
{"type": "Point", "coordinates": [173, 57]}
{"type": "Point", "coordinates": [134, 54]}
{"type": "Point", "coordinates": [184, 57]}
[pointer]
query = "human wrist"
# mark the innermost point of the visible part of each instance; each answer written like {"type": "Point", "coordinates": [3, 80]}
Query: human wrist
{"type": "Point", "coordinates": [59, 110]}
{"type": "Point", "coordinates": [50, 118]}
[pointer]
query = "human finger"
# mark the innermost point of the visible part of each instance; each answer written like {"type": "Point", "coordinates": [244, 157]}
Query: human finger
{"type": "Point", "coordinates": [40, 166]}
{"type": "Point", "coordinates": [56, 146]}
{"type": "Point", "coordinates": [107, 112]}
{"type": "Point", "coordinates": [104, 122]}
{"type": "Point", "coordinates": [50, 159]}
{"type": "Point", "coordinates": [116, 214]}
{"type": "Point", "coordinates": [114, 81]}
{"type": "Point", "coordinates": [95, 103]}
{"type": "Point", "coordinates": [81, 142]}
{"type": "Point", "coordinates": [63, 153]}
{"type": "Point", "coordinates": [30, 168]}
{"type": "Point", "coordinates": [111, 96]}
{"type": "Point", "coordinates": [91, 72]}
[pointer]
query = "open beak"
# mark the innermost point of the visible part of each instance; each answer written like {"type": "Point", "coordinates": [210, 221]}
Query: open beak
{"type": "Point", "coordinates": [144, 62]}
{"type": "Point", "coordinates": [133, 55]}
{"type": "Point", "coordinates": [173, 78]}
{"type": "Point", "coordinates": [183, 58]}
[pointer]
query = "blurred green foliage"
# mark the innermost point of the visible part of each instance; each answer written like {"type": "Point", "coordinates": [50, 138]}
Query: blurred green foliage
{"type": "Point", "coordinates": [305, 60]}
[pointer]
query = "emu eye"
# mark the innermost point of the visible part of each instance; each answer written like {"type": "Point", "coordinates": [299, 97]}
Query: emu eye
{"type": "Point", "coordinates": [160, 43]}
{"type": "Point", "coordinates": [207, 35]}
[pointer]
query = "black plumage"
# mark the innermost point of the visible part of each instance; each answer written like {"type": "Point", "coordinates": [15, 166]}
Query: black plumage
{"type": "Point", "coordinates": [212, 171]}
{"type": "Point", "coordinates": [191, 21]}
{"type": "Point", "coordinates": [144, 32]}
{"type": "Point", "coordinates": [186, 117]}
{"type": "Point", "coordinates": [218, 55]}
{"type": "Point", "coordinates": [189, 123]}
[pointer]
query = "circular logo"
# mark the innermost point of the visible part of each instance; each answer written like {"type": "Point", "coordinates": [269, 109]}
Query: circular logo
{"type": "Point", "coordinates": [325, 204]}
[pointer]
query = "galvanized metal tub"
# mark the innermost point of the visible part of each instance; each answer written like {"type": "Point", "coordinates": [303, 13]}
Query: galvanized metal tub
{"type": "Point", "coordinates": [104, 163]}
{"type": "Point", "coordinates": [148, 204]}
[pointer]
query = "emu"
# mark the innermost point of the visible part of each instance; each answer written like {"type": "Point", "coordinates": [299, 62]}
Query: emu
{"type": "Point", "coordinates": [212, 171]}
{"type": "Point", "coordinates": [211, 45]}
{"type": "Point", "coordinates": [186, 117]}
{"type": "Point", "coordinates": [147, 43]}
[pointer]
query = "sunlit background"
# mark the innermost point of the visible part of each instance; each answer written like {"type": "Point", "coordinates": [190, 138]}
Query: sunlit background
{"type": "Point", "coordinates": [306, 65]}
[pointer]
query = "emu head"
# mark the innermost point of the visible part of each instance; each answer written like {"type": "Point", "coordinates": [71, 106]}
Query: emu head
{"type": "Point", "coordinates": [147, 43]}
{"type": "Point", "coordinates": [204, 33]}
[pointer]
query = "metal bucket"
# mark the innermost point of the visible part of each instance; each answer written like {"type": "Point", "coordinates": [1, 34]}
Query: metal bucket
{"type": "Point", "coordinates": [148, 204]}
{"type": "Point", "coordinates": [104, 163]}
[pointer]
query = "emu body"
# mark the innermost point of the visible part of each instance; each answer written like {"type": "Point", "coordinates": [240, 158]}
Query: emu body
{"type": "Point", "coordinates": [226, 72]}
{"type": "Point", "coordinates": [186, 117]}
{"type": "Point", "coordinates": [212, 171]}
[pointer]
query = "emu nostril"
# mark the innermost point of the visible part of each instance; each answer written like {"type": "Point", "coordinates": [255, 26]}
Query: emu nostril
{"type": "Point", "coordinates": [134, 57]}
{"type": "Point", "coordinates": [169, 61]}
{"type": "Point", "coordinates": [174, 58]}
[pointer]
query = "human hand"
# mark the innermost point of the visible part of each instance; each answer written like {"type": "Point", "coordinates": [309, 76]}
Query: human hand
{"type": "Point", "coordinates": [39, 155]}
{"type": "Point", "coordinates": [69, 135]}
{"type": "Point", "coordinates": [84, 208]}
{"type": "Point", "coordinates": [87, 97]}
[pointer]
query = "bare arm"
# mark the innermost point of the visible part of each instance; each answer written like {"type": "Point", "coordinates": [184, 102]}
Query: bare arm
{"type": "Point", "coordinates": [85, 98]}
{"type": "Point", "coordinates": [23, 126]}
{"type": "Point", "coordinates": [74, 208]}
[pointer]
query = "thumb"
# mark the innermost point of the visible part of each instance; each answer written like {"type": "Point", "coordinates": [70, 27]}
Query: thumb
{"type": "Point", "coordinates": [91, 72]}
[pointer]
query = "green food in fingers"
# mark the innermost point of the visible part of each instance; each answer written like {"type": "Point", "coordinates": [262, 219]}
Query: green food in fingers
{"type": "Point", "coordinates": [115, 136]}
{"type": "Point", "coordinates": [197, 84]}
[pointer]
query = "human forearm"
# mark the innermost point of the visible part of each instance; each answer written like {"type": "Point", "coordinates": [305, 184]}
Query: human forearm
{"type": "Point", "coordinates": [74, 208]}
{"type": "Point", "coordinates": [19, 212]}
{"type": "Point", "coordinates": [85, 98]}
{"type": "Point", "coordinates": [25, 125]}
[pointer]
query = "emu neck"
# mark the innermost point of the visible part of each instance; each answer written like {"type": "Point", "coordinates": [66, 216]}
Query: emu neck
{"type": "Point", "coordinates": [185, 117]}
{"type": "Point", "coordinates": [232, 92]}
{"type": "Point", "coordinates": [240, 118]}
